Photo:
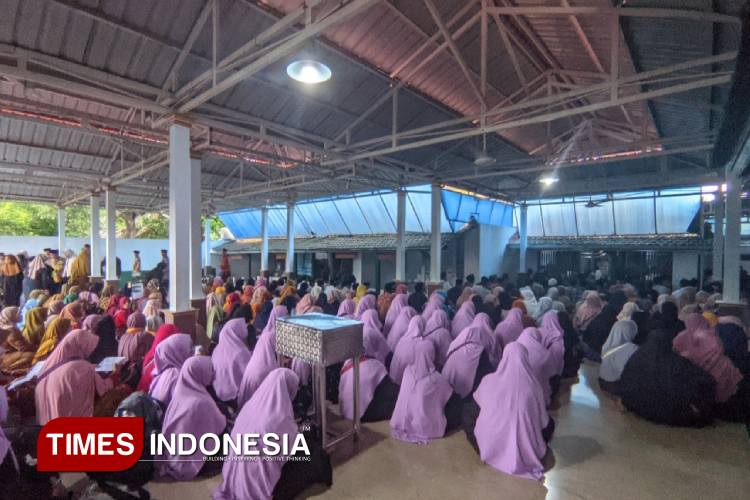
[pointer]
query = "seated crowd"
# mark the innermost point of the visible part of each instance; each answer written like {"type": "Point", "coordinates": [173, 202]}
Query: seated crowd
{"type": "Point", "coordinates": [486, 358]}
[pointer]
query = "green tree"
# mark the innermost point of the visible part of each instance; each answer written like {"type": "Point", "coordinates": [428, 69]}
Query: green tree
{"type": "Point", "coordinates": [40, 219]}
{"type": "Point", "coordinates": [152, 226]}
{"type": "Point", "coordinates": [216, 225]}
{"type": "Point", "coordinates": [77, 221]}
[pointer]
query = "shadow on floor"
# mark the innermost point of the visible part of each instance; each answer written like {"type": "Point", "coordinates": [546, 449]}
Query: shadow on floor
{"type": "Point", "coordinates": [572, 450]}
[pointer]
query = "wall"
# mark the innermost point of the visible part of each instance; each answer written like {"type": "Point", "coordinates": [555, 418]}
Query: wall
{"type": "Point", "coordinates": [471, 253]}
{"type": "Point", "coordinates": [365, 267]}
{"type": "Point", "coordinates": [150, 249]}
{"type": "Point", "coordinates": [684, 266]}
{"type": "Point", "coordinates": [493, 241]}
{"type": "Point", "coordinates": [511, 261]}
{"type": "Point", "coordinates": [484, 250]}
{"type": "Point", "coordinates": [417, 265]}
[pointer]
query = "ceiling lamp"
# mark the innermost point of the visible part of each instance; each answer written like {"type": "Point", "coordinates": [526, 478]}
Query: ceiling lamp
{"type": "Point", "coordinates": [548, 180]}
{"type": "Point", "coordinates": [308, 71]}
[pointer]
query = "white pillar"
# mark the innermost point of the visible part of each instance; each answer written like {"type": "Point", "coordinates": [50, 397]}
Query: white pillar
{"type": "Point", "coordinates": [196, 284]}
{"type": "Point", "coordinates": [111, 252]}
{"type": "Point", "coordinates": [357, 267]}
{"type": "Point", "coordinates": [524, 238]}
{"type": "Point", "coordinates": [435, 243]}
{"type": "Point", "coordinates": [263, 240]}
{"type": "Point", "coordinates": [207, 242]}
{"type": "Point", "coordinates": [289, 238]}
{"type": "Point", "coordinates": [400, 232]}
{"type": "Point", "coordinates": [718, 245]}
{"type": "Point", "coordinates": [731, 288]}
{"type": "Point", "coordinates": [180, 208]}
{"type": "Point", "coordinates": [95, 261]}
{"type": "Point", "coordinates": [60, 230]}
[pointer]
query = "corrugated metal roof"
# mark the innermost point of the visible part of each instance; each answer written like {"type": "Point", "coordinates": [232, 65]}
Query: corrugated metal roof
{"type": "Point", "coordinates": [665, 242]}
{"type": "Point", "coordinates": [140, 40]}
{"type": "Point", "coordinates": [387, 242]}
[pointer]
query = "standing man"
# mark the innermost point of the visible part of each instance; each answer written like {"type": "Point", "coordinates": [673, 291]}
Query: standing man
{"type": "Point", "coordinates": [165, 270]}
{"type": "Point", "coordinates": [58, 266]}
{"type": "Point", "coordinates": [226, 269]}
{"type": "Point", "coordinates": [81, 267]}
{"type": "Point", "coordinates": [136, 263]}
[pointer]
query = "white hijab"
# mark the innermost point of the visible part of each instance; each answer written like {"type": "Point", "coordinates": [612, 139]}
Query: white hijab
{"type": "Point", "coordinates": [617, 349]}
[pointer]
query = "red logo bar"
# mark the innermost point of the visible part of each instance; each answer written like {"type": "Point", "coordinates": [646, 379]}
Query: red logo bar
{"type": "Point", "coordinates": [89, 444]}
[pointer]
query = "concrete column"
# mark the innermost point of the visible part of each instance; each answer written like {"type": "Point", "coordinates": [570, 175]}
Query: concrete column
{"type": "Point", "coordinates": [435, 243]}
{"type": "Point", "coordinates": [357, 267]}
{"type": "Point", "coordinates": [718, 245]}
{"type": "Point", "coordinates": [95, 260]}
{"type": "Point", "coordinates": [60, 230]}
{"type": "Point", "coordinates": [731, 289]}
{"type": "Point", "coordinates": [207, 242]}
{"type": "Point", "coordinates": [111, 249]}
{"type": "Point", "coordinates": [264, 240]}
{"type": "Point", "coordinates": [196, 285]}
{"type": "Point", "coordinates": [180, 209]}
{"type": "Point", "coordinates": [400, 232]}
{"type": "Point", "coordinates": [524, 238]}
{"type": "Point", "coordinates": [289, 239]}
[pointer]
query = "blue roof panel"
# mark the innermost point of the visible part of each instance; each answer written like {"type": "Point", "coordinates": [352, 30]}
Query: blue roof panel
{"type": "Point", "coordinates": [371, 213]}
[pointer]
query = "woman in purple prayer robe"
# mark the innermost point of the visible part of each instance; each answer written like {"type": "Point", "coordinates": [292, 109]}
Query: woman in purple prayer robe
{"type": "Point", "coordinates": [191, 411]}
{"type": "Point", "coordinates": [507, 421]}
{"type": "Point", "coordinates": [419, 416]}
{"type": "Point", "coordinates": [269, 411]}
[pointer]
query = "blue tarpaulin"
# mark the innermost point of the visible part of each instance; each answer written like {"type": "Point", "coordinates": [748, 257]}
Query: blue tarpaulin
{"type": "Point", "coordinates": [371, 213]}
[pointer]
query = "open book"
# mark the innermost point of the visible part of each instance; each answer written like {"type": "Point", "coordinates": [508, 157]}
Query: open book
{"type": "Point", "coordinates": [107, 365]}
{"type": "Point", "coordinates": [28, 377]}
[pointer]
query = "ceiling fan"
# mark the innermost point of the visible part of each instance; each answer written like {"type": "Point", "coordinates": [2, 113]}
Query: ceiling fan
{"type": "Point", "coordinates": [593, 204]}
{"type": "Point", "coordinates": [483, 159]}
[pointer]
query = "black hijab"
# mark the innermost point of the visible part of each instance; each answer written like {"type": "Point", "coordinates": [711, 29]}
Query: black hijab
{"type": "Point", "coordinates": [573, 354]}
{"type": "Point", "coordinates": [104, 328]}
{"type": "Point", "coordinates": [493, 311]}
{"type": "Point", "coordinates": [664, 387]}
{"type": "Point", "coordinates": [417, 300]}
{"type": "Point", "coordinates": [641, 319]}
{"type": "Point", "coordinates": [735, 346]}
{"type": "Point", "coordinates": [598, 330]}
{"type": "Point", "coordinates": [667, 320]}
{"type": "Point", "coordinates": [245, 311]}
{"type": "Point", "coordinates": [262, 318]}
{"type": "Point", "coordinates": [506, 301]}
{"type": "Point", "coordinates": [331, 307]}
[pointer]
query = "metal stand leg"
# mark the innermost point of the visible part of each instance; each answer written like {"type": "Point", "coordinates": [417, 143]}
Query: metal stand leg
{"type": "Point", "coordinates": [314, 387]}
{"type": "Point", "coordinates": [322, 404]}
{"type": "Point", "coordinates": [356, 397]}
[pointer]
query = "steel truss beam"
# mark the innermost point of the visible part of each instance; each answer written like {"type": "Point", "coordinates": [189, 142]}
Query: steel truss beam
{"type": "Point", "coordinates": [537, 109]}
{"type": "Point", "coordinates": [293, 42]}
{"type": "Point", "coordinates": [692, 15]}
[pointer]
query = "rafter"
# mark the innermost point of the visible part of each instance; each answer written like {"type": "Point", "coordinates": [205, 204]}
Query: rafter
{"type": "Point", "coordinates": [454, 49]}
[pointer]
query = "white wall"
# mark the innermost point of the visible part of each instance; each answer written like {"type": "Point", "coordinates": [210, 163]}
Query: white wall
{"type": "Point", "coordinates": [471, 253]}
{"type": "Point", "coordinates": [493, 241]}
{"type": "Point", "coordinates": [684, 266]}
{"type": "Point", "coordinates": [238, 263]}
{"type": "Point", "coordinates": [484, 250]}
{"type": "Point", "coordinates": [150, 249]}
{"type": "Point", "coordinates": [359, 267]}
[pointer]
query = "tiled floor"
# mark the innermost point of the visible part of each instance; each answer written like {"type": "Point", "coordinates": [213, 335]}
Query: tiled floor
{"type": "Point", "coordinates": [597, 452]}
